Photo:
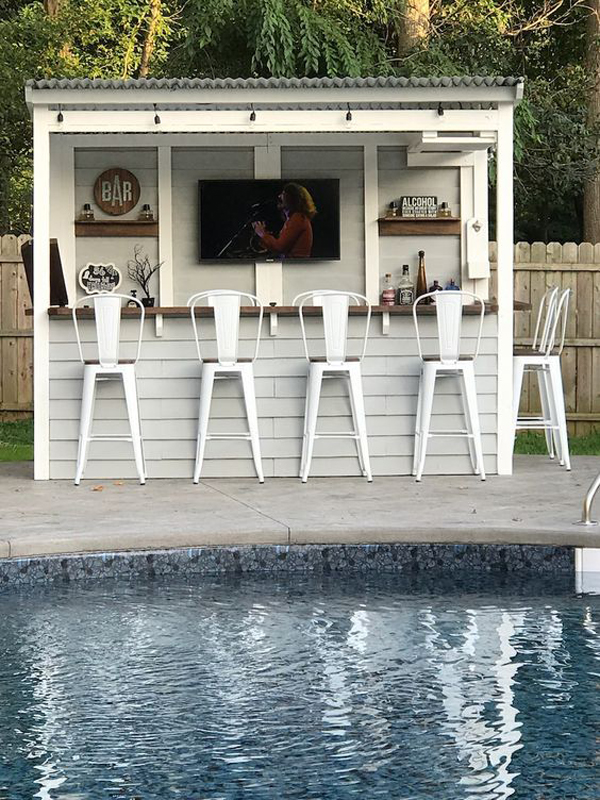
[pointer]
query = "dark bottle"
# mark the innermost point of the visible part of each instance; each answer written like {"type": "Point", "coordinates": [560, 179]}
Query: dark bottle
{"type": "Point", "coordinates": [421, 275]}
{"type": "Point", "coordinates": [435, 287]}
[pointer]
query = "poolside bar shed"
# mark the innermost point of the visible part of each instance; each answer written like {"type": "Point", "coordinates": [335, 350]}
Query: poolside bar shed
{"type": "Point", "coordinates": [382, 138]}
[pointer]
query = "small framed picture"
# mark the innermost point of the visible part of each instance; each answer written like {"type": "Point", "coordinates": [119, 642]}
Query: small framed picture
{"type": "Point", "coordinates": [99, 278]}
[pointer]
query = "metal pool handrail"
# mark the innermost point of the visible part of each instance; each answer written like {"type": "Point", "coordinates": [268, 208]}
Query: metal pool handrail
{"type": "Point", "coordinates": [587, 503]}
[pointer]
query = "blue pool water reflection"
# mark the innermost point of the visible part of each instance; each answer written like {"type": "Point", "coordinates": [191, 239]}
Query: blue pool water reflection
{"type": "Point", "coordinates": [317, 688]}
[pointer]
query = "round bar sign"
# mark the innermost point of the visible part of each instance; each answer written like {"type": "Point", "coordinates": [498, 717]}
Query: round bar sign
{"type": "Point", "coordinates": [116, 191]}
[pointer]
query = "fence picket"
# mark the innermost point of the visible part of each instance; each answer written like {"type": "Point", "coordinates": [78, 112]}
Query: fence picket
{"type": "Point", "coordinates": [16, 336]}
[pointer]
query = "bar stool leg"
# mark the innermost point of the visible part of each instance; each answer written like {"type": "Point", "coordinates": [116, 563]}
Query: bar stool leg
{"type": "Point", "coordinates": [314, 388]}
{"type": "Point", "coordinates": [85, 423]}
{"type": "Point", "coordinates": [250, 401]}
{"type": "Point", "coordinates": [418, 436]}
{"type": "Point", "coordinates": [468, 371]}
{"type": "Point", "coordinates": [206, 389]}
{"type": "Point", "coordinates": [305, 423]}
{"type": "Point", "coordinates": [131, 399]}
{"type": "Point", "coordinates": [518, 367]}
{"type": "Point", "coordinates": [547, 406]}
{"type": "Point", "coordinates": [558, 400]}
{"type": "Point", "coordinates": [359, 454]}
{"type": "Point", "coordinates": [358, 403]}
{"type": "Point", "coordinates": [469, 427]}
{"type": "Point", "coordinates": [428, 386]}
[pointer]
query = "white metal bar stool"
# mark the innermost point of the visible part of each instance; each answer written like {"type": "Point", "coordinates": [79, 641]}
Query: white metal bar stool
{"type": "Point", "coordinates": [448, 361]}
{"type": "Point", "coordinates": [335, 364]}
{"type": "Point", "coordinates": [108, 366]}
{"type": "Point", "coordinates": [543, 359]}
{"type": "Point", "coordinates": [226, 306]}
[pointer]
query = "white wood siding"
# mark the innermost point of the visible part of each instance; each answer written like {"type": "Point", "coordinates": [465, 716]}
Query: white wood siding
{"type": "Point", "coordinates": [169, 385]}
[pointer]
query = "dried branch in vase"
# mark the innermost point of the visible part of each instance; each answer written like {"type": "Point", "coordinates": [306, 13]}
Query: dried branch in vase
{"type": "Point", "coordinates": [140, 270]}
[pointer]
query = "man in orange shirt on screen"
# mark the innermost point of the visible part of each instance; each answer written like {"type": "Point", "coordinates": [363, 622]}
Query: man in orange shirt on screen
{"type": "Point", "coordinates": [295, 239]}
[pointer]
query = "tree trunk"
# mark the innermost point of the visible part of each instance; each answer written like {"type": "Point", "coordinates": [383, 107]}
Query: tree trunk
{"type": "Point", "coordinates": [148, 49]}
{"type": "Point", "coordinates": [52, 7]}
{"type": "Point", "coordinates": [414, 25]}
{"type": "Point", "coordinates": [591, 194]}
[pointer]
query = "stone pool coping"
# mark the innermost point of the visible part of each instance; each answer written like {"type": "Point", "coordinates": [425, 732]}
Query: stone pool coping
{"type": "Point", "coordinates": [537, 505]}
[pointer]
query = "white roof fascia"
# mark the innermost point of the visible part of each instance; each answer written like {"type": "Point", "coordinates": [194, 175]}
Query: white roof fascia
{"type": "Point", "coordinates": [165, 97]}
{"type": "Point", "coordinates": [374, 121]}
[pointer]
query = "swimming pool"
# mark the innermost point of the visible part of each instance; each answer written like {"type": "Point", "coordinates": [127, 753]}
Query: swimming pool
{"type": "Point", "coordinates": [318, 687]}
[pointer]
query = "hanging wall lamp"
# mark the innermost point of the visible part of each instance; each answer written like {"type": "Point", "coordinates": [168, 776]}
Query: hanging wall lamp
{"type": "Point", "coordinates": [156, 117]}
{"type": "Point", "coordinates": [59, 116]}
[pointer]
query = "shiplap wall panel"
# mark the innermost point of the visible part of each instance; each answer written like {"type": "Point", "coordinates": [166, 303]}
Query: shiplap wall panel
{"type": "Point", "coordinates": [442, 253]}
{"type": "Point", "coordinates": [347, 166]}
{"type": "Point", "coordinates": [169, 386]}
{"type": "Point", "coordinates": [189, 166]}
{"type": "Point", "coordinates": [89, 164]}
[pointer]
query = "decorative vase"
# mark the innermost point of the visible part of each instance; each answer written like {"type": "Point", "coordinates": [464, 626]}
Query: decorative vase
{"type": "Point", "coordinates": [148, 302]}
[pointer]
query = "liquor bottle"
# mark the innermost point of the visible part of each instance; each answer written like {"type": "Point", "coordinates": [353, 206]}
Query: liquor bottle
{"type": "Point", "coordinates": [406, 289]}
{"type": "Point", "coordinates": [435, 287]}
{"type": "Point", "coordinates": [388, 295]}
{"type": "Point", "coordinates": [421, 275]}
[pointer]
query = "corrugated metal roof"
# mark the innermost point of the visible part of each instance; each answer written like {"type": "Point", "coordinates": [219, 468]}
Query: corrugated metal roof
{"type": "Point", "coordinates": [174, 84]}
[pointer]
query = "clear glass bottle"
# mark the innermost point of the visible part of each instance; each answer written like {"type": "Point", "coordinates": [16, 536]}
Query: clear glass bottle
{"type": "Point", "coordinates": [421, 275]}
{"type": "Point", "coordinates": [388, 294]}
{"type": "Point", "coordinates": [406, 289]}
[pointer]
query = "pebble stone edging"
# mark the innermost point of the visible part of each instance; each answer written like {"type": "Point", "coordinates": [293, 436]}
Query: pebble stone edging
{"type": "Point", "coordinates": [279, 559]}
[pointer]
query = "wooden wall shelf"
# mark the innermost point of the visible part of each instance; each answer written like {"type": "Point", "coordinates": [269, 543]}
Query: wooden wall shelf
{"type": "Point", "coordinates": [419, 226]}
{"type": "Point", "coordinates": [113, 227]}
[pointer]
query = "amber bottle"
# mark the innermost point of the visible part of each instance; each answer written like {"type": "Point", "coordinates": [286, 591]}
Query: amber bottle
{"type": "Point", "coordinates": [421, 275]}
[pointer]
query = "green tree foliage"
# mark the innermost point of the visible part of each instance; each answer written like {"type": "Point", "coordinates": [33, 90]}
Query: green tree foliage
{"type": "Point", "coordinates": [556, 150]}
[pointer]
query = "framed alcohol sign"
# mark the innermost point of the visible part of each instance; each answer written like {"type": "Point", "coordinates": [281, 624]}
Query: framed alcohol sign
{"type": "Point", "coordinates": [418, 206]}
{"type": "Point", "coordinates": [116, 191]}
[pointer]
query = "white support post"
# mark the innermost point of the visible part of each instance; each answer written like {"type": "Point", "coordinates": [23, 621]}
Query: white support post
{"type": "Point", "coordinates": [165, 233]}
{"type": "Point", "coordinates": [268, 274]}
{"type": "Point", "coordinates": [62, 208]}
{"type": "Point", "coordinates": [481, 206]}
{"type": "Point", "coordinates": [467, 210]}
{"type": "Point", "coordinates": [371, 206]}
{"type": "Point", "coordinates": [504, 236]}
{"type": "Point", "coordinates": [41, 290]}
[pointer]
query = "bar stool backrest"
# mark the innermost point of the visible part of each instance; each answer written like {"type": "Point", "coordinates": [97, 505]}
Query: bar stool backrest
{"type": "Point", "coordinates": [107, 316]}
{"type": "Point", "coordinates": [226, 306]}
{"type": "Point", "coordinates": [544, 319]}
{"type": "Point", "coordinates": [449, 314]}
{"type": "Point", "coordinates": [554, 340]}
{"type": "Point", "coordinates": [335, 306]}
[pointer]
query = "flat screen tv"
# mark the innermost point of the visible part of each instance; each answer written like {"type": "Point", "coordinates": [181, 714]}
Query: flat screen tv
{"type": "Point", "coordinates": [256, 220]}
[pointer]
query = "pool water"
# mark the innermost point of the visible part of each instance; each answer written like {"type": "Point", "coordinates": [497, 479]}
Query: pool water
{"type": "Point", "coordinates": [319, 688]}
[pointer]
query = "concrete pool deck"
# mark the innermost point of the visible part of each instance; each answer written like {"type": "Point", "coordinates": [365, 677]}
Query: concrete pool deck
{"type": "Point", "coordinates": [538, 504]}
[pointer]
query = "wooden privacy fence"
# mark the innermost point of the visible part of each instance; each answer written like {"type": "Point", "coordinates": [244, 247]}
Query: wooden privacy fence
{"type": "Point", "coordinates": [577, 267]}
{"type": "Point", "coordinates": [16, 335]}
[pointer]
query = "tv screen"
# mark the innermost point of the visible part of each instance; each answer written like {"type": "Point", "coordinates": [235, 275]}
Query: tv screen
{"type": "Point", "coordinates": [256, 220]}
